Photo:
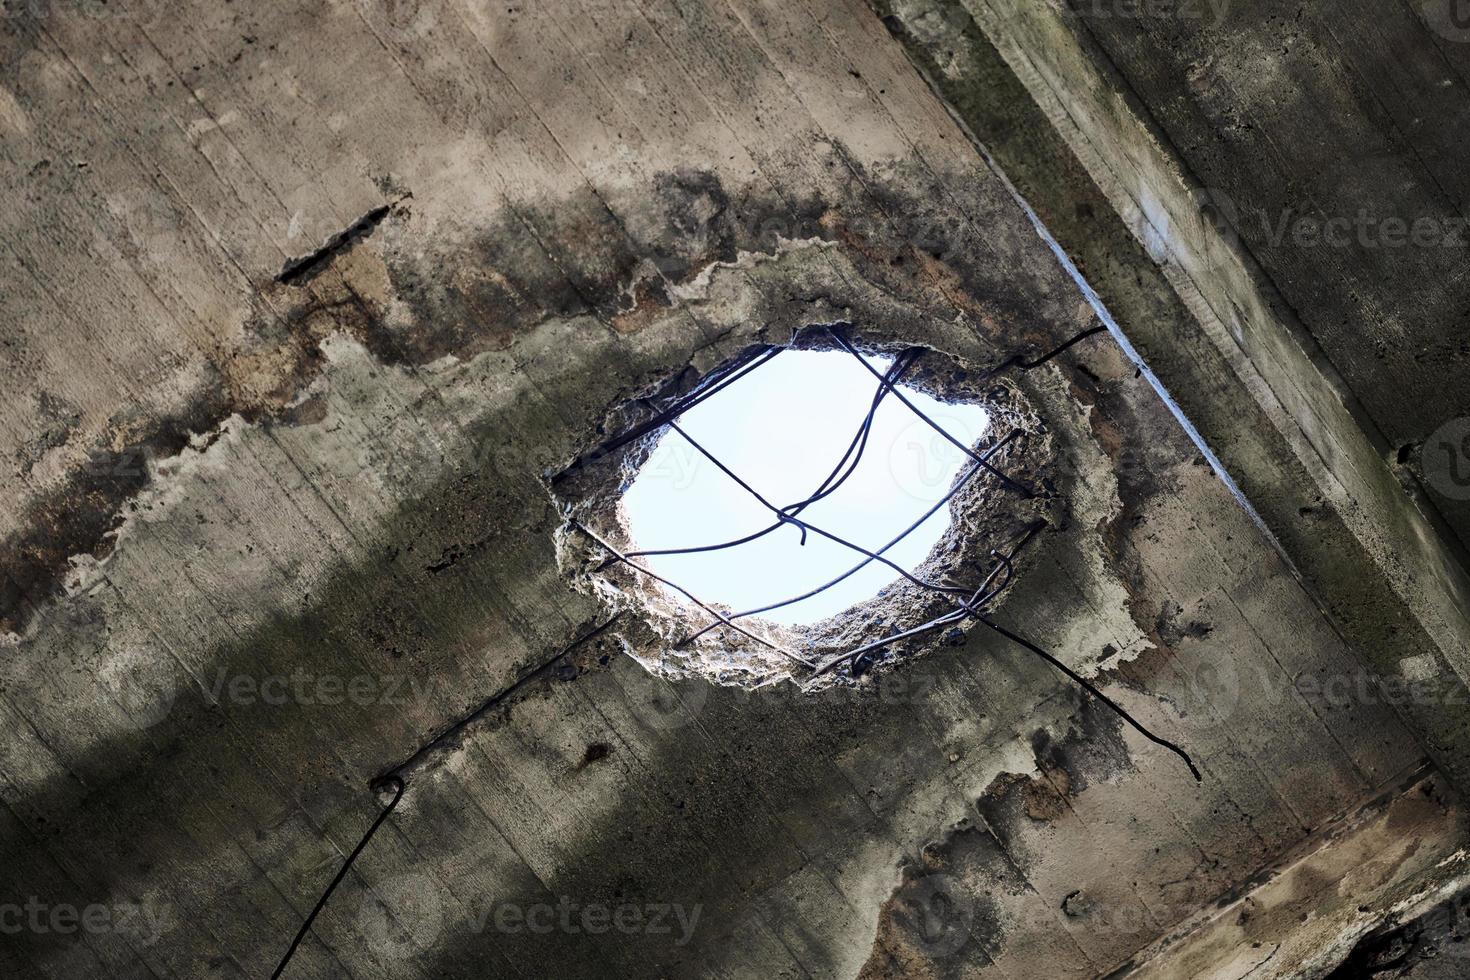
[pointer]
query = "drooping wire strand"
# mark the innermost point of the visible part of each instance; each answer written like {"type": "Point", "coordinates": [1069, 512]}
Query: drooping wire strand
{"type": "Point", "coordinates": [825, 489]}
{"type": "Point", "coordinates": [982, 596]}
{"type": "Point", "coordinates": [397, 777]}
{"type": "Point", "coordinates": [841, 342]}
{"type": "Point", "coordinates": [342, 873]}
{"type": "Point", "coordinates": [958, 485]}
{"type": "Point", "coordinates": [686, 594]}
{"type": "Point", "coordinates": [758, 356]}
{"type": "Point", "coordinates": [836, 539]}
{"type": "Point", "coordinates": [781, 604]}
{"type": "Point", "coordinates": [1082, 682]}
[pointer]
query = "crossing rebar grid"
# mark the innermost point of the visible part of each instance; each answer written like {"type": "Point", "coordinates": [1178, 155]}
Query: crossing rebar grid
{"type": "Point", "coordinates": [965, 603]}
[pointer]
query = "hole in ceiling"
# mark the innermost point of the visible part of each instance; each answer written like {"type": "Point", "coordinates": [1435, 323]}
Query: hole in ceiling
{"type": "Point", "coordinates": [689, 513]}
{"type": "Point", "coordinates": [782, 429]}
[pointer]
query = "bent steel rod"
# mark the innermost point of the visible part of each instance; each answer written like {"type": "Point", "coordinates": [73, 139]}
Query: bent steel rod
{"type": "Point", "coordinates": [686, 594]}
{"type": "Point", "coordinates": [859, 442]}
{"type": "Point", "coordinates": [959, 484]}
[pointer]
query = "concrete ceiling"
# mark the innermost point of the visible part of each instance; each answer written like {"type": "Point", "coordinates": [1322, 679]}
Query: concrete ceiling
{"type": "Point", "coordinates": [304, 308]}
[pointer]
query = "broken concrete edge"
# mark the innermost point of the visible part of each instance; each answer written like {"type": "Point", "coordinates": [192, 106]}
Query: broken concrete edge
{"type": "Point", "coordinates": [1322, 936]}
{"type": "Point", "coordinates": [1034, 84]}
{"type": "Point", "coordinates": [984, 514]}
{"type": "Point", "coordinates": [1423, 931]}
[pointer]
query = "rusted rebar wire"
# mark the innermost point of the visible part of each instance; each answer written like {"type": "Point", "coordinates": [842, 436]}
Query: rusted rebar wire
{"type": "Point", "coordinates": [761, 356]}
{"type": "Point", "coordinates": [812, 527]}
{"type": "Point", "coordinates": [686, 594]}
{"type": "Point", "coordinates": [970, 607]}
{"type": "Point", "coordinates": [454, 733]}
{"type": "Point", "coordinates": [1016, 361]}
{"type": "Point", "coordinates": [958, 485]}
{"type": "Point", "coordinates": [1085, 685]}
{"type": "Point", "coordinates": [398, 787]}
{"type": "Point", "coordinates": [845, 575]}
{"type": "Point", "coordinates": [859, 442]}
{"type": "Point", "coordinates": [980, 598]}
{"type": "Point", "coordinates": [722, 374]}
{"type": "Point", "coordinates": [1020, 488]}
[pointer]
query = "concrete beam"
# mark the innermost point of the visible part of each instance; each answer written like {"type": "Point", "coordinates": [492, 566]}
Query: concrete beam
{"type": "Point", "coordinates": [1210, 329]}
{"type": "Point", "coordinates": [1398, 857]}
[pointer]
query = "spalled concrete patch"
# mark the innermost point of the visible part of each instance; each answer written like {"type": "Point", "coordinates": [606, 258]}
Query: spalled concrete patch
{"type": "Point", "coordinates": [1431, 944]}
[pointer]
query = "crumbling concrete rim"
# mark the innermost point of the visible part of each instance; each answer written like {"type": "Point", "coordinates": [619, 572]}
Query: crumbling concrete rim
{"type": "Point", "coordinates": [664, 618]}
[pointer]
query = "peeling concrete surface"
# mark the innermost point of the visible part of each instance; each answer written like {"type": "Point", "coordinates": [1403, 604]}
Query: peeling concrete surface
{"type": "Point", "coordinates": [1429, 945]}
{"type": "Point", "coordinates": [340, 538]}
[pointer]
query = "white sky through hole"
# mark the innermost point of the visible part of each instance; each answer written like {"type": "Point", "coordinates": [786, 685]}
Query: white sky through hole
{"type": "Point", "coordinates": [782, 428]}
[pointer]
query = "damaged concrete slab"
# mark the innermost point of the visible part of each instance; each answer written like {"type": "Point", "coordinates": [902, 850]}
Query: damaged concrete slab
{"type": "Point", "coordinates": [318, 323]}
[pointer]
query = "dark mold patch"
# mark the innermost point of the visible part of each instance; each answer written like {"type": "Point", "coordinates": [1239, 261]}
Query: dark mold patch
{"type": "Point", "coordinates": [696, 212]}
{"type": "Point", "coordinates": [944, 918]}
{"type": "Point", "coordinates": [595, 753]}
{"type": "Point", "coordinates": [1076, 905]}
{"type": "Point", "coordinates": [974, 865]}
{"type": "Point", "coordinates": [1040, 799]}
{"type": "Point", "coordinates": [59, 420]}
{"type": "Point", "coordinates": [1172, 630]}
{"type": "Point", "coordinates": [1142, 451]}
{"type": "Point", "coordinates": [461, 290]}
{"type": "Point", "coordinates": [79, 516]}
{"type": "Point", "coordinates": [1092, 748]}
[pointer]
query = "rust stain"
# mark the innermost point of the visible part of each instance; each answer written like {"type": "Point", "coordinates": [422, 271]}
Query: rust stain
{"type": "Point", "coordinates": [1043, 799]}
{"type": "Point", "coordinates": [650, 301]}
